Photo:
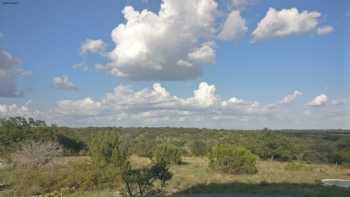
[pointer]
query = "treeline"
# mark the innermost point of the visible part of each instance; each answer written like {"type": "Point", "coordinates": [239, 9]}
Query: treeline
{"type": "Point", "coordinates": [324, 146]}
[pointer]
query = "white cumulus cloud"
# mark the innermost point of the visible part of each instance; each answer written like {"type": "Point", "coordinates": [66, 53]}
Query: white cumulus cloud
{"type": "Point", "coordinates": [318, 101]}
{"type": "Point", "coordinates": [279, 23]}
{"type": "Point", "coordinates": [169, 45]}
{"type": "Point", "coordinates": [63, 82]}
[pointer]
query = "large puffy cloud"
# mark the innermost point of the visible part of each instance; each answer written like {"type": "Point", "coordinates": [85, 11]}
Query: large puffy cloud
{"type": "Point", "coordinates": [318, 101]}
{"type": "Point", "coordinates": [234, 27]}
{"type": "Point", "coordinates": [63, 82]}
{"type": "Point", "coordinates": [9, 72]}
{"type": "Point", "coordinates": [279, 23]}
{"type": "Point", "coordinates": [169, 45]}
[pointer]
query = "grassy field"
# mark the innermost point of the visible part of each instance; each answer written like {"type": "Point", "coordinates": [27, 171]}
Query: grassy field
{"type": "Point", "coordinates": [282, 179]}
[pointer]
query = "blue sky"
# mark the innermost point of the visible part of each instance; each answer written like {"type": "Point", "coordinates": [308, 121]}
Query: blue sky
{"type": "Point", "coordinates": [46, 38]}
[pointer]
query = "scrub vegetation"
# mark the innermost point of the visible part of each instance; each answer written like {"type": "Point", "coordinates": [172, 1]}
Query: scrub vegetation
{"type": "Point", "coordinates": [41, 159]}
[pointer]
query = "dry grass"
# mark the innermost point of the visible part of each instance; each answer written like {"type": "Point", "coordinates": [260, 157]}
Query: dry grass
{"type": "Point", "coordinates": [196, 171]}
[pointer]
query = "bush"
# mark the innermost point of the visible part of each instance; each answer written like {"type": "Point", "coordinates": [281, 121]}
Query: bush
{"type": "Point", "coordinates": [161, 172]}
{"type": "Point", "coordinates": [36, 154]}
{"type": "Point", "coordinates": [106, 149]}
{"type": "Point", "coordinates": [199, 148]}
{"type": "Point", "coordinates": [71, 146]}
{"type": "Point", "coordinates": [140, 181]}
{"type": "Point", "coordinates": [168, 153]}
{"type": "Point", "coordinates": [109, 161]}
{"type": "Point", "coordinates": [233, 160]}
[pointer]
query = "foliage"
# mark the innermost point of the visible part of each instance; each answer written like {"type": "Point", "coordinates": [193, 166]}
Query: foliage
{"type": "Point", "coordinates": [109, 160]}
{"type": "Point", "coordinates": [105, 149]}
{"type": "Point", "coordinates": [16, 130]}
{"type": "Point", "coordinates": [233, 160]}
{"type": "Point", "coordinates": [168, 153]}
{"type": "Point", "coordinates": [71, 146]}
{"type": "Point", "coordinates": [160, 171]}
{"type": "Point", "coordinates": [199, 148]}
{"type": "Point", "coordinates": [140, 181]}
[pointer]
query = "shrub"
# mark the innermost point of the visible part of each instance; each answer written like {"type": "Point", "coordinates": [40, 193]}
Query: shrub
{"type": "Point", "coordinates": [233, 160]}
{"type": "Point", "coordinates": [168, 153]}
{"type": "Point", "coordinates": [71, 146]}
{"type": "Point", "coordinates": [106, 149]}
{"type": "Point", "coordinates": [161, 172]}
{"type": "Point", "coordinates": [140, 181]}
{"type": "Point", "coordinates": [109, 161]}
{"type": "Point", "coordinates": [199, 148]}
{"type": "Point", "coordinates": [36, 154]}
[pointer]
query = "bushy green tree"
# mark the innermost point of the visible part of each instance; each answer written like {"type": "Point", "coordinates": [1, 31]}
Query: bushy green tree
{"type": "Point", "coordinates": [109, 160]}
{"type": "Point", "coordinates": [140, 181]}
{"type": "Point", "coordinates": [233, 160]}
{"type": "Point", "coordinates": [160, 171]}
{"type": "Point", "coordinates": [106, 149]}
{"type": "Point", "coordinates": [168, 153]}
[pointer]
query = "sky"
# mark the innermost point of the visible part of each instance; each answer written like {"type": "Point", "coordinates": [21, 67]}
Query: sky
{"type": "Point", "coordinates": [234, 64]}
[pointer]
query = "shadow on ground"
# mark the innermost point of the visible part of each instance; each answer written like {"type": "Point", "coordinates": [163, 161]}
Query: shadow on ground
{"type": "Point", "coordinates": [263, 190]}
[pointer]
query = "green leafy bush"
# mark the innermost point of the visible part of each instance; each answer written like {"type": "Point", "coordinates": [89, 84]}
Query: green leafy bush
{"type": "Point", "coordinates": [139, 182]}
{"type": "Point", "coordinates": [168, 153]}
{"type": "Point", "coordinates": [233, 160]}
{"type": "Point", "coordinates": [199, 148]}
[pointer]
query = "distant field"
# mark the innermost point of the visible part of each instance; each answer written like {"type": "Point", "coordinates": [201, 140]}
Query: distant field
{"type": "Point", "coordinates": [282, 179]}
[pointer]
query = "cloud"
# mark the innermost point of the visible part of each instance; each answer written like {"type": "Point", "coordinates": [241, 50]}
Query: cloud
{"type": "Point", "coordinates": [318, 101]}
{"type": "Point", "coordinates": [339, 101]}
{"type": "Point", "coordinates": [157, 106]}
{"type": "Point", "coordinates": [324, 30]}
{"type": "Point", "coordinates": [63, 82]}
{"type": "Point", "coordinates": [234, 27]}
{"type": "Point", "coordinates": [85, 106]}
{"type": "Point", "coordinates": [9, 72]}
{"type": "Point", "coordinates": [12, 110]}
{"type": "Point", "coordinates": [291, 97]}
{"type": "Point", "coordinates": [92, 46]}
{"type": "Point", "coordinates": [169, 45]}
{"type": "Point", "coordinates": [285, 22]}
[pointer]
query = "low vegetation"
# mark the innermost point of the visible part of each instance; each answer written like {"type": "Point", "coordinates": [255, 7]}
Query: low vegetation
{"type": "Point", "coordinates": [37, 159]}
{"type": "Point", "coordinates": [232, 160]}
